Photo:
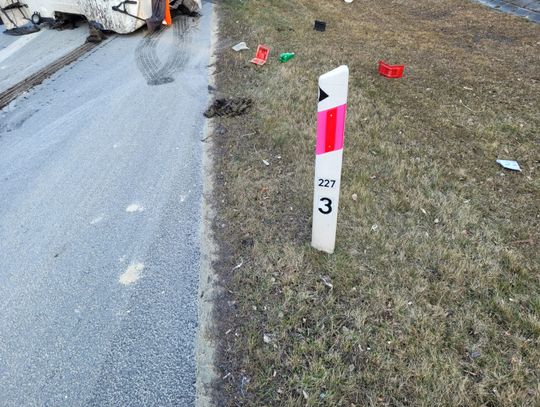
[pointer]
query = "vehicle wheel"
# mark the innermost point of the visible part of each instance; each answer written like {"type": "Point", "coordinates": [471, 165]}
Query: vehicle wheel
{"type": "Point", "coordinates": [36, 18]}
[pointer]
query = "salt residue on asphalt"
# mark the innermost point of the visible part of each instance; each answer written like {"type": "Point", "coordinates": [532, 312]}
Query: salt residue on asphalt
{"type": "Point", "coordinates": [132, 274]}
{"type": "Point", "coordinates": [134, 207]}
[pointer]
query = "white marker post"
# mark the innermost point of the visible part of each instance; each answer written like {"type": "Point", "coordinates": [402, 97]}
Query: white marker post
{"type": "Point", "coordinates": [332, 110]}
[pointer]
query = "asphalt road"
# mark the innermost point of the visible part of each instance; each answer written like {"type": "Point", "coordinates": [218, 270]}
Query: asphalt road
{"type": "Point", "coordinates": [23, 56]}
{"type": "Point", "coordinates": [100, 211]}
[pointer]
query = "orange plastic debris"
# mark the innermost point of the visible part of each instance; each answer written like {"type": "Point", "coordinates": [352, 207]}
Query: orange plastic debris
{"type": "Point", "coordinates": [391, 71]}
{"type": "Point", "coordinates": [261, 56]}
{"type": "Point", "coordinates": [167, 20]}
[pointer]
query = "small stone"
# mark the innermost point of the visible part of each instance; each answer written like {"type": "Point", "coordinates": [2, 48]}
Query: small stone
{"type": "Point", "coordinates": [354, 197]}
{"type": "Point", "coordinates": [474, 354]}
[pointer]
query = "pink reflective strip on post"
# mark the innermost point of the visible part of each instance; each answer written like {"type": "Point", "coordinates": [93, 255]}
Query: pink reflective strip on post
{"type": "Point", "coordinates": [331, 129]}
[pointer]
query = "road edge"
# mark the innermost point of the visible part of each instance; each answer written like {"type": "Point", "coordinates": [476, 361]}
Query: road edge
{"type": "Point", "coordinates": [208, 290]}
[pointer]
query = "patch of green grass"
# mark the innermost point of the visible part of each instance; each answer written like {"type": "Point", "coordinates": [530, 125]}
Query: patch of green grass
{"type": "Point", "coordinates": [432, 295]}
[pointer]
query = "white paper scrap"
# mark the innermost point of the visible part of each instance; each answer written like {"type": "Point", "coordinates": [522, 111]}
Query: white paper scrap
{"type": "Point", "coordinates": [509, 165]}
{"type": "Point", "coordinates": [240, 46]}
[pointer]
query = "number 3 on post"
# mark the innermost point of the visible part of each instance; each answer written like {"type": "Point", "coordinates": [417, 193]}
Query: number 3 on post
{"type": "Point", "coordinates": [327, 206]}
{"type": "Point", "coordinates": [332, 109]}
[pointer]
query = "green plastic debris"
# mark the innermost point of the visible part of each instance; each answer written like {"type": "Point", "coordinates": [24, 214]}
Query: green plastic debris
{"type": "Point", "coordinates": [286, 56]}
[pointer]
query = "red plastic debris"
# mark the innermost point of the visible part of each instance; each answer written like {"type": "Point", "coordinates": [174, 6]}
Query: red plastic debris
{"type": "Point", "coordinates": [391, 71]}
{"type": "Point", "coordinates": [261, 56]}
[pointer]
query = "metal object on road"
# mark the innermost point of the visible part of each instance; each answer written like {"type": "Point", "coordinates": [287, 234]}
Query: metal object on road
{"type": "Point", "coordinates": [36, 18]}
{"type": "Point", "coordinates": [121, 8]}
{"type": "Point", "coordinates": [332, 110]}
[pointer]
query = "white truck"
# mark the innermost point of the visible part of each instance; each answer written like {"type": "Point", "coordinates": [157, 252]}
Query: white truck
{"type": "Point", "coordinates": [121, 16]}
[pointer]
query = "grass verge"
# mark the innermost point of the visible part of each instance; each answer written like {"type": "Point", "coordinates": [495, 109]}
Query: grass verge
{"type": "Point", "coordinates": [433, 294]}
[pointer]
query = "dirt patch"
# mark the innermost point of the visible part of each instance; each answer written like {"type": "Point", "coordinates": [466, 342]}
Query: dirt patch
{"type": "Point", "coordinates": [228, 107]}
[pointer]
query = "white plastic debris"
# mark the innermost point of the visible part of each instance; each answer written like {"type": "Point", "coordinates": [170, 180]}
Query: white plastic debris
{"type": "Point", "coordinates": [509, 165]}
{"type": "Point", "coordinates": [240, 46]}
{"type": "Point", "coordinates": [238, 265]}
{"type": "Point", "coordinates": [327, 282]}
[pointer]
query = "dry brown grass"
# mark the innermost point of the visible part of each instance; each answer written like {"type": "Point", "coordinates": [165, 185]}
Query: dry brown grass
{"type": "Point", "coordinates": [440, 303]}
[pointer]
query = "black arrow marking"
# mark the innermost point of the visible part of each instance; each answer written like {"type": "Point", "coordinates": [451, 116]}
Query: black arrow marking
{"type": "Point", "coordinates": [322, 95]}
